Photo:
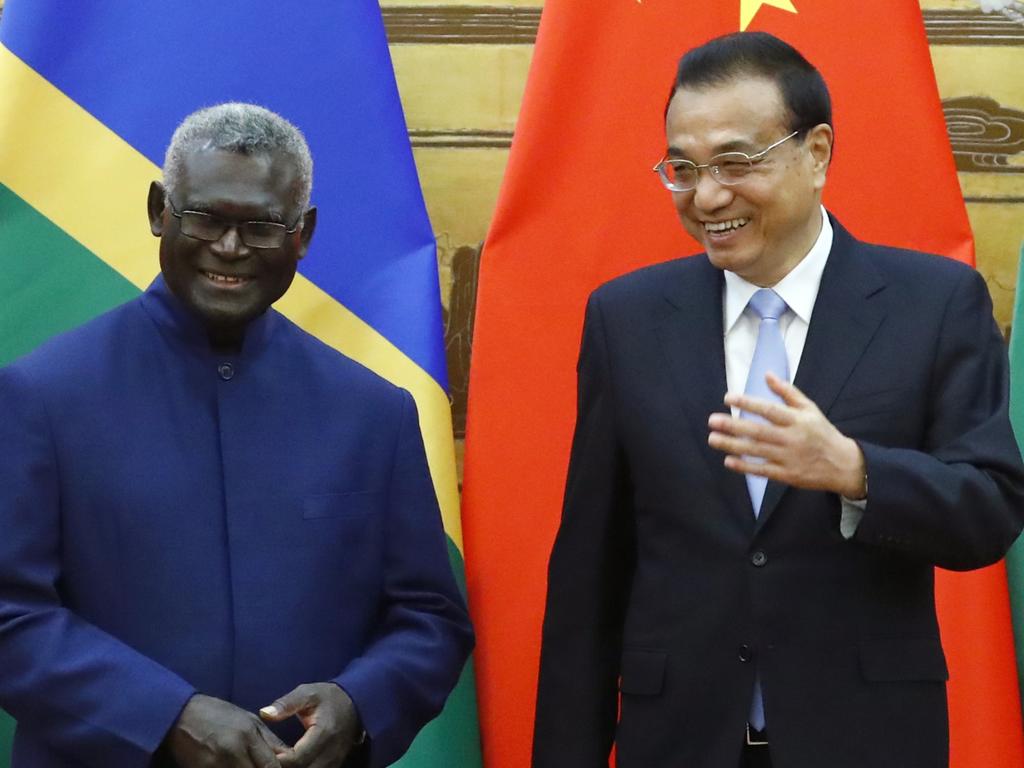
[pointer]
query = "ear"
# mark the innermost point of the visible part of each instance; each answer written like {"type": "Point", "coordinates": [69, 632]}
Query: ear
{"type": "Point", "coordinates": [155, 205]}
{"type": "Point", "coordinates": [819, 143]}
{"type": "Point", "coordinates": [306, 234]}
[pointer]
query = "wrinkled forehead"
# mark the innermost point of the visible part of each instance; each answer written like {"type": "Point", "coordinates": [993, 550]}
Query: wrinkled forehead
{"type": "Point", "coordinates": [739, 115]}
{"type": "Point", "coordinates": [217, 178]}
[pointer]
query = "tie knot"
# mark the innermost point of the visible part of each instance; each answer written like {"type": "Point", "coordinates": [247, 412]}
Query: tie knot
{"type": "Point", "coordinates": [767, 304]}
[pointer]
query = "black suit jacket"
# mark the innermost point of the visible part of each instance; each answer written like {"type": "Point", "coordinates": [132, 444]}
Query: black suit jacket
{"type": "Point", "coordinates": [664, 587]}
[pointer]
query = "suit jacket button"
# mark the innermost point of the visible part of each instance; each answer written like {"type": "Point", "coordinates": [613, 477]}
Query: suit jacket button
{"type": "Point", "coordinates": [759, 558]}
{"type": "Point", "coordinates": [746, 653]}
{"type": "Point", "coordinates": [226, 371]}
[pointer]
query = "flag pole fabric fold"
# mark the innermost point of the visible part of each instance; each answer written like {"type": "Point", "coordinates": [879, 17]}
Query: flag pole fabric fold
{"type": "Point", "coordinates": [1015, 560]}
{"type": "Point", "coordinates": [580, 205]}
{"type": "Point", "coordinates": [90, 93]}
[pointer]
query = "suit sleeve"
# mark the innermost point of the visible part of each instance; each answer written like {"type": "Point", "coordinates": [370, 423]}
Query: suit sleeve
{"type": "Point", "coordinates": [959, 501]}
{"type": "Point", "coordinates": [424, 637]}
{"type": "Point", "coordinates": [70, 684]}
{"type": "Point", "coordinates": [589, 577]}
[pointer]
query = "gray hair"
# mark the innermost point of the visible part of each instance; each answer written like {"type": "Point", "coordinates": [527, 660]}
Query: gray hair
{"type": "Point", "coordinates": [243, 128]}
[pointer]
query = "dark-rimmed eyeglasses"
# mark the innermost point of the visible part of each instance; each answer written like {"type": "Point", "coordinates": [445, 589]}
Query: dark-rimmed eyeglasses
{"type": "Point", "coordinates": [728, 168]}
{"type": "Point", "coordinates": [255, 234]}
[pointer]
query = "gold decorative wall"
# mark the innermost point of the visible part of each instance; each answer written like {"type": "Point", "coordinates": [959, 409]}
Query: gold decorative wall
{"type": "Point", "coordinates": [979, 65]}
{"type": "Point", "coordinates": [461, 70]}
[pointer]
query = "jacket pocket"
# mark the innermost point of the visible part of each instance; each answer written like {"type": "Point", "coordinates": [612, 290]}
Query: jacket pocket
{"type": "Point", "coordinates": [642, 672]}
{"type": "Point", "coordinates": [903, 659]}
{"type": "Point", "coordinates": [351, 504]}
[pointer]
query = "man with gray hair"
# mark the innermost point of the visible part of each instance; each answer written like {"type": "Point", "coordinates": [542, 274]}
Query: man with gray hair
{"type": "Point", "coordinates": [208, 513]}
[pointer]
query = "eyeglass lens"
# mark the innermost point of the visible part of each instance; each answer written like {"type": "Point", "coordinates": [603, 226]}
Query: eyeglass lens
{"type": "Point", "coordinates": [728, 168]}
{"type": "Point", "coordinates": [255, 234]}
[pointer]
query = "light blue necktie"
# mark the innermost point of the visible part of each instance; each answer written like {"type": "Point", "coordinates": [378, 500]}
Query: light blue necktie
{"type": "Point", "coordinates": [769, 355]}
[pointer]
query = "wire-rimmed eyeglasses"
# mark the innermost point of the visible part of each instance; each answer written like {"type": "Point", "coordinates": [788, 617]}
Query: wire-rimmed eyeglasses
{"type": "Point", "coordinates": [255, 234]}
{"type": "Point", "coordinates": [728, 168]}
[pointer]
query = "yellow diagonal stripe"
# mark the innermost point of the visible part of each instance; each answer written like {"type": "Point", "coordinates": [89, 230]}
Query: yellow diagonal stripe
{"type": "Point", "coordinates": [92, 184]}
{"type": "Point", "coordinates": [71, 168]}
{"type": "Point", "coordinates": [312, 309]}
{"type": "Point", "coordinates": [749, 9]}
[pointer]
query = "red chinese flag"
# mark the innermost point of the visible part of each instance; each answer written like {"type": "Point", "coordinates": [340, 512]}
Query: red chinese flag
{"type": "Point", "coordinates": [580, 205]}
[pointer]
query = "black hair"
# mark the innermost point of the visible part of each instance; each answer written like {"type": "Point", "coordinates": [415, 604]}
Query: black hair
{"type": "Point", "coordinates": [759, 54]}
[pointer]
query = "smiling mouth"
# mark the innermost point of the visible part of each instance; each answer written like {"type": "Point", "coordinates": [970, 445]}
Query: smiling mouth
{"type": "Point", "coordinates": [225, 280]}
{"type": "Point", "coordinates": [725, 227]}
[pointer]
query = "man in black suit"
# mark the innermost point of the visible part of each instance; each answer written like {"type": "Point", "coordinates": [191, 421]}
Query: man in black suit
{"type": "Point", "coordinates": [790, 625]}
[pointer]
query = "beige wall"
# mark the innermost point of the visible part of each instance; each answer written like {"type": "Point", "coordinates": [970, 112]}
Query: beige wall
{"type": "Point", "coordinates": [461, 70]}
{"type": "Point", "coordinates": [979, 66]}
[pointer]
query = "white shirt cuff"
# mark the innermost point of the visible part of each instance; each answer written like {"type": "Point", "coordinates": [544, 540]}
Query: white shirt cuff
{"type": "Point", "coordinates": [852, 513]}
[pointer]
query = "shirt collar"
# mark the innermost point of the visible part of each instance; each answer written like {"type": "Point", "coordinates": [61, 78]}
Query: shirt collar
{"type": "Point", "coordinates": [798, 289]}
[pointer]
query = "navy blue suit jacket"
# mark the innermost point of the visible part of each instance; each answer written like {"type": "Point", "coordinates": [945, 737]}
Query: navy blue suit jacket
{"type": "Point", "coordinates": [664, 588]}
{"type": "Point", "coordinates": [175, 521]}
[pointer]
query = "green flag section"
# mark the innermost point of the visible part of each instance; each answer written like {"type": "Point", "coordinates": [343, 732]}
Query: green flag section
{"type": "Point", "coordinates": [50, 282]}
{"type": "Point", "coordinates": [459, 712]}
{"type": "Point", "coordinates": [1015, 560]}
{"type": "Point", "coordinates": [6, 734]}
{"type": "Point", "coordinates": [84, 133]}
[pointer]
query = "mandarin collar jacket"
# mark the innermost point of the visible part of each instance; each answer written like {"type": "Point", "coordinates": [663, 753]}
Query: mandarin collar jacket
{"type": "Point", "coordinates": [177, 520]}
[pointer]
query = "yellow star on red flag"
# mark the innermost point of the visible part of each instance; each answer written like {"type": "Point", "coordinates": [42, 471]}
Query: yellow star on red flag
{"type": "Point", "coordinates": [749, 9]}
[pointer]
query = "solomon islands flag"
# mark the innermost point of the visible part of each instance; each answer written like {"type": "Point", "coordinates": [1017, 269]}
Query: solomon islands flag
{"type": "Point", "coordinates": [90, 93]}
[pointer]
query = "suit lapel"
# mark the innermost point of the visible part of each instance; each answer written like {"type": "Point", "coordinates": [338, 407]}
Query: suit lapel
{"type": "Point", "coordinates": [690, 331]}
{"type": "Point", "coordinates": [847, 313]}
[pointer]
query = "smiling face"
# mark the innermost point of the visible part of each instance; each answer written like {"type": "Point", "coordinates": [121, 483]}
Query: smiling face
{"type": "Point", "coordinates": [763, 227]}
{"type": "Point", "coordinates": [226, 282]}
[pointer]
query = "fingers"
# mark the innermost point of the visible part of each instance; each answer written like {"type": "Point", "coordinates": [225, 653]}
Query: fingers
{"type": "Point", "coordinates": [292, 703]}
{"type": "Point", "coordinates": [790, 395]}
{"type": "Point", "coordinates": [329, 717]}
{"type": "Point", "coordinates": [744, 437]}
{"type": "Point", "coordinates": [319, 749]}
{"type": "Point", "coordinates": [744, 466]}
{"type": "Point", "coordinates": [737, 447]}
{"type": "Point", "coordinates": [262, 755]}
{"type": "Point", "coordinates": [760, 431]}
{"type": "Point", "coordinates": [272, 740]}
{"type": "Point", "coordinates": [213, 732]}
{"type": "Point", "coordinates": [275, 712]}
{"type": "Point", "coordinates": [299, 701]}
{"type": "Point", "coordinates": [754, 447]}
{"type": "Point", "coordinates": [309, 747]}
{"type": "Point", "coordinates": [776, 413]}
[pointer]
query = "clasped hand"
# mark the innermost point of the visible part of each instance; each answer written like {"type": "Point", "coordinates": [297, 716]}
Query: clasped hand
{"type": "Point", "coordinates": [211, 733]}
{"type": "Point", "coordinates": [796, 444]}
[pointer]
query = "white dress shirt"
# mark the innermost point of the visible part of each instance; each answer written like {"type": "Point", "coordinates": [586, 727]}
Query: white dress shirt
{"type": "Point", "coordinates": [799, 289]}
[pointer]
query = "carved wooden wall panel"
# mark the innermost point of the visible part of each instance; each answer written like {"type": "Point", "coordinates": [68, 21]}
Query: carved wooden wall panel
{"type": "Point", "coordinates": [986, 136]}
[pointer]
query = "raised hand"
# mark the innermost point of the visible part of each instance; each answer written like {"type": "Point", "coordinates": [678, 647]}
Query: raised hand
{"type": "Point", "coordinates": [795, 444]}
